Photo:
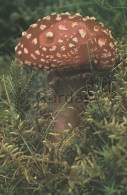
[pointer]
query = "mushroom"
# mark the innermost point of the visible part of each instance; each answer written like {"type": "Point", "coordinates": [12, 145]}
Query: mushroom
{"type": "Point", "coordinates": [72, 48]}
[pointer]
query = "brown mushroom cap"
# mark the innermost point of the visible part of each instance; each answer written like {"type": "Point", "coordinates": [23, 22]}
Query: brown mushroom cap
{"type": "Point", "coordinates": [63, 40]}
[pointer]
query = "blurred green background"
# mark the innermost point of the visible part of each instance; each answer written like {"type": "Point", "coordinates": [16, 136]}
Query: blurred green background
{"type": "Point", "coordinates": [17, 15]}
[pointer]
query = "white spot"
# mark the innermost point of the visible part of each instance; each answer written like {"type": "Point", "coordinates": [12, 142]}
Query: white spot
{"type": "Point", "coordinates": [101, 24]}
{"type": "Point", "coordinates": [111, 45]}
{"type": "Point", "coordinates": [61, 27]}
{"type": "Point", "coordinates": [89, 18]}
{"type": "Point", "coordinates": [66, 14]}
{"type": "Point", "coordinates": [39, 20]}
{"type": "Point", "coordinates": [53, 65]}
{"type": "Point", "coordinates": [105, 50]}
{"type": "Point", "coordinates": [78, 14]}
{"type": "Point", "coordinates": [105, 31]}
{"type": "Point", "coordinates": [91, 40]}
{"type": "Point", "coordinates": [93, 55]}
{"type": "Point", "coordinates": [40, 65]}
{"type": "Point", "coordinates": [82, 33]}
{"type": "Point", "coordinates": [74, 24]}
{"type": "Point", "coordinates": [106, 55]}
{"type": "Point", "coordinates": [71, 45]}
{"type": "Point", "coordinates": [24, 33]}
{"type": "Point", "coordinates": [58, 17]}
{"type": "Point", "coordinates": [42, 27]}
{"type": "Point", "coordinates": [42, 60]}
{"type": "Point", "coordinates": [101, 42]}
{"type": "Point", "coordinates": [37, 52]}
{"type": "Point", "coordinates": [96, 28]}
{"type": "Point", "coordinates": [53, 48]}
{"type": "Point", "coordinates": [93, 49]}
{"type": "Point", "coordinates": [25, 50]}
{"type": "Point", "coordinates": [71, 17]}
{"type": "Point", "coordinates": [65, 56]}
{"type": "Point", "coordinates": [32, 55]}
{"type": "Point", "coordinates": [113, 60]}
{"type": "Point", "coordinates": [68, 54]}
{"type": "Point", "coordinates": [46, 67]}
{"type": "Point", "coordinates": [95, 61]}
{"type": "Point", "coordinates": [60, 41]}
{"type": "Point", "coordinates": [75, 39]}
{"type": "Point", "coordinates": [58, 55]}
{"type": "Point", "coordinates": [62, 48]}
{"type": "Point", "coordinates": [27, 62]}
{"type": "Point", "coordinates": [19, 53]}
{"type": "Point", "coordinates": [49, 35]}
{"type": "Point", "coordinates": [28, 36]}
{"type": "Point", "coordinates": [47, 18]}
{"type": "Point", "coordinates": [16, 48]}
{"type": "Point", "coordinates": [34, 41]}
{"type": "Point", "coordinates": [92, 18]}
{"type": "Point", "coordinates": [84, 19]}
{"type": "Point", "coordinates": [34, 64]}
{"type": "Point", "coordinates": [110, 34]}
{"type": "Point", "coordinates": [77, 57]}
{"type": "Point", "coordinates": [76, 50]}
{"type": "Point", "coordinates": [44, 48]}
{"type": "Point", "coordinates": [34, 25]}
{"type": "Point", "coordinates": [51, 57]}
{"type": "Point", "coordinates": [22, 45]}
{"type": "Point", "coordinates": [72, 52]}
{"type": "Point", "coordinates": [54, 13]}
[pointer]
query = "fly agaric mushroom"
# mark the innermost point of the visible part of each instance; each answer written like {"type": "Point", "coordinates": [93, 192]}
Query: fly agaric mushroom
{"type": "Point", "coordinates": [68, 46]}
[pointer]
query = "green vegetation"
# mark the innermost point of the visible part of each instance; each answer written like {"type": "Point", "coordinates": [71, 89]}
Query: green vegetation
{"type": "Point", "coordinates": [93, 157]}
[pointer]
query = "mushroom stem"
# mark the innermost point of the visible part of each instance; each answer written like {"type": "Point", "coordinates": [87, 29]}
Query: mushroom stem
{"type": "Point", "coordinates": [65, 114]}
{"type": "Point", "coordinates": [68, 97]}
